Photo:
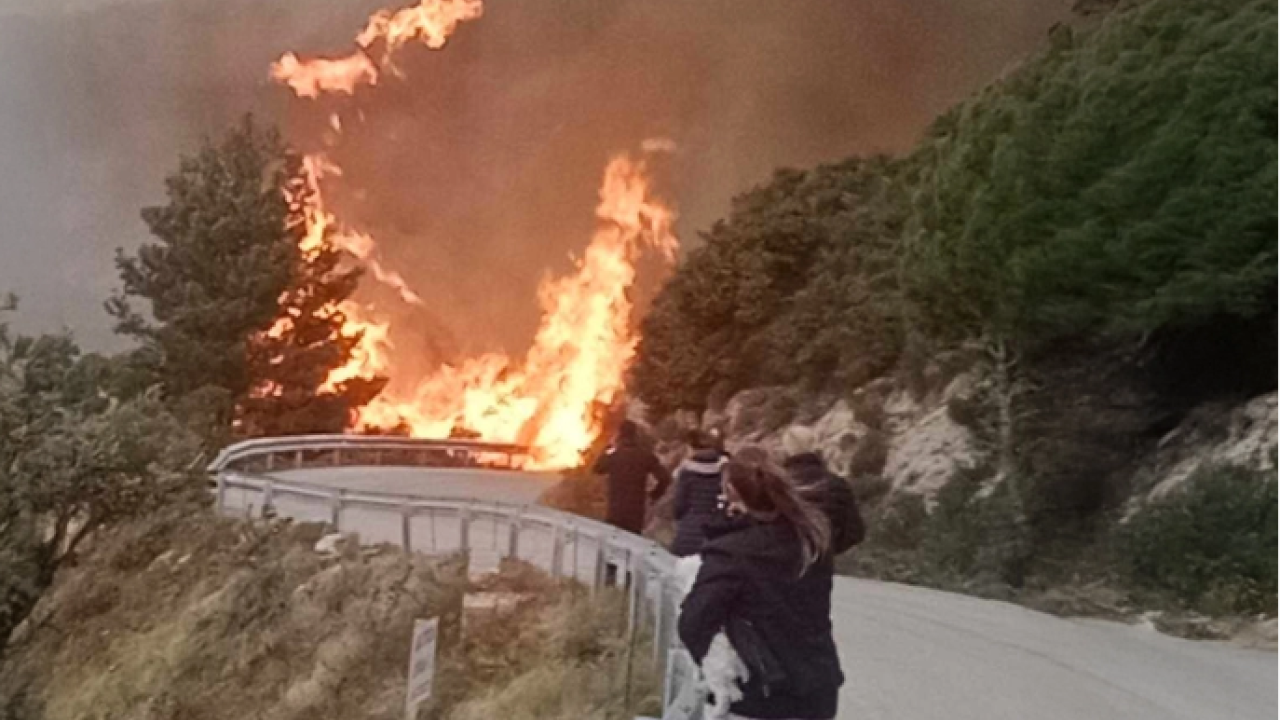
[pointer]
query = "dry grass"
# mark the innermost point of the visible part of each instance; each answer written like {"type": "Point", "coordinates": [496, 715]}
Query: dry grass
{"type": "Point", "coordinates": [559, 657]}
{"type": "Point", "coordinates": [193, 617]}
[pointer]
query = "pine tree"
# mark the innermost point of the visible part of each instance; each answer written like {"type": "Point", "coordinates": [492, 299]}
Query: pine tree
{"type": "Point", "coordinates": [246, 323]}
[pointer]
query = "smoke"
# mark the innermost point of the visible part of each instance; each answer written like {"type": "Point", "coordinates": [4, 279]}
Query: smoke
{"type": "Point", "coordinates": [477, 172]}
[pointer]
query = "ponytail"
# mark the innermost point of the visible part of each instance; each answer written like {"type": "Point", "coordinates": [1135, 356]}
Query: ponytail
{"type": "Point", "coordinates": [763, 488]}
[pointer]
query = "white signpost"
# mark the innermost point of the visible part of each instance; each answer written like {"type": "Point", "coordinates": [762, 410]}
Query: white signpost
{"type": "Point", "coordinates": [422, 665]}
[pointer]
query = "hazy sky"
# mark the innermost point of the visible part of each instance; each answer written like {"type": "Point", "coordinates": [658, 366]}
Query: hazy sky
{"type": "Point", "coordinates": [478, 173]}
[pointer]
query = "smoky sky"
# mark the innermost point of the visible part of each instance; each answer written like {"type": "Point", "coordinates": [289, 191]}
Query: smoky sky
{"type": "Point", "coordinates": [478, 171]}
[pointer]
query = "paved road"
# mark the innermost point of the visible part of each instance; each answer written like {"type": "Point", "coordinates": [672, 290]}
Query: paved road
{"type": "Point", "coordinates": [910, 653]}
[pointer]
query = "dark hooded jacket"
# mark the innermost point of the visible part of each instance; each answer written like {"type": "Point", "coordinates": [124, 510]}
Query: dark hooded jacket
{"type": "Point", "coordinates": [751, 577]}
{"type": "Point", "coordinates": [696, 500]}
{"type": "Point", "coordinates": [629, 467]}
{"type": "Point", "coordinates": [832, 495]}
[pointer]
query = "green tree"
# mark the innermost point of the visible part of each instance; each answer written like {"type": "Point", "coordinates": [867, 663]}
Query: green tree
{"type": "Point", "coordinates": [1122, 183]}
{"type": "Point", "coordinates": [1119, 186]}
{"type": "Point", "coordinates": [74, 459]}
{"type": "Point", "coordinates": [796, 284]}
{"type": "Point", "coordinates": [247, 323]}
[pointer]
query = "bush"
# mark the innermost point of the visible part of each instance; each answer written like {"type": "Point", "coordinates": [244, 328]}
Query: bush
{"type": "Point", "coordinates": [1210, 543]}
{"type": "Point", "coordinates": [899, 523]}
{"type": "Point", "coordinates": [974, 535]}
{"type": "Point", "coordinates": [870, 454]}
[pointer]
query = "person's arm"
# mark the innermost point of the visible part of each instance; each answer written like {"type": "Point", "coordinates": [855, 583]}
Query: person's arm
{"type": "Point", "coordinates": [707, 607]}
{"type": "Point", "coordinates": [847, 527]}
{"type": "Point", "coordinates": [661, 474]}
{"type": "Point", "coordinates": [680, 506]}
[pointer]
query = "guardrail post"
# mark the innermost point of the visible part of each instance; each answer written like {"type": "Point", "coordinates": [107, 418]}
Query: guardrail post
{"type": "Point", "coordinates": [268, 494]}
{"type": "Point", "coordinates": [297, 459]}
{"type": "Point", "coordinates": [633, 592]}
{"type": "Point", "coordinates": [406, 516]}
{"type": "Point", "coordinates": [575, 539]}
{"type": "Point", "coordinates": [597, 580]}
{"type": "Point", "coordinates": [513, 536]}
{"type": "Point", "coordinates": [335, 509]}
{"type": "Point", "coordinates": [271, 461]}
{"type": "Point", "coordinates": [337, 456]}
{"type": "Point", "coordinates": [661, 624]}
{"type": "Point", "coordinates": [222, 492]}
{"type": "Point", "coordinates": [464, 528]}
{"type": "Point", "coordinates": [557, 551]}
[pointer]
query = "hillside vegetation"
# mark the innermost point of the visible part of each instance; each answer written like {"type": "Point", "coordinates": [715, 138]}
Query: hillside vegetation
{"type": "Point", "coordinates": [188, 616]}
{"type": "Point", "coordinates": [1069, 267]}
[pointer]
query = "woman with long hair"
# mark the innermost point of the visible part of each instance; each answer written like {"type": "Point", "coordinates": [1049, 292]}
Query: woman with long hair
{"type": "Point", "coordinates": [766, 582]}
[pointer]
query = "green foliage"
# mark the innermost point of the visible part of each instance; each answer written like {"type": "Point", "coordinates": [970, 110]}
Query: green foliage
{"type": "Point", "coordinates": [73, 459]}
{"type": "Point", "coordinates": [1124, 181]}
{"type": "Point", "coordinates": [797, 284]}
{"type": "Point", "coordinates": [246, 323]}
{"type": "Point", "coordinates": [1211, 542]}
{"type": "Point", "coordinates": [976, 532]}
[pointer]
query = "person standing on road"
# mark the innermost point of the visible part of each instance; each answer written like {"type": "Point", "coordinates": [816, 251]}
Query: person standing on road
{"type": "Point", "coordinates": [697, 493]}
{"type": "Point", "coordinates": [763, 582]}
{"type": "Point", "coordinates": [828, 491]}
{"type": "Point", "coordinates": [628, 468]}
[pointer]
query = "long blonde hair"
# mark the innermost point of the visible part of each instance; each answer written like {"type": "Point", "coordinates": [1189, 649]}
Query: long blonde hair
{"type": "Point", "coordinates": [763, 488]}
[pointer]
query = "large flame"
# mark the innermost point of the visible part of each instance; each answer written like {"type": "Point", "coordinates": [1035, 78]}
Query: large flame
{"type": "Point", "coordinates": [430, 23]}
{"type": "Point", "coordinates": [551, 399]}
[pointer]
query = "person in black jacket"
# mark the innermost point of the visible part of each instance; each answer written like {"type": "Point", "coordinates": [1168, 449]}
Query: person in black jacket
{"type": "Point", "coordinates": [697, 493]}
{"type": "Point", "coordinates": [628, 468]}
{"type": "Point", "coordinates": [830, 492]}
{"type": "Point", "coordinates": [763, 581]}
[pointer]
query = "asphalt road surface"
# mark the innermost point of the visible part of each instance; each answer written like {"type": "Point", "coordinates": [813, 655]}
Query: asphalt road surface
{"type": "Point", "coordinates": [909, 653]}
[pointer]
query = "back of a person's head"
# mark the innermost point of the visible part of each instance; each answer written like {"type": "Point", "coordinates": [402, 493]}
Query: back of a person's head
{"type": "Point", "coordinates": [798, 440]}
{"type": "Point", "coordinates": [628, 432]}
{"type": "Point", "coordinates": [703, 440]}
{"type": "Point", "coordinates": [763, 488]}
{"type": "Point", "coordinates": [753, 475]}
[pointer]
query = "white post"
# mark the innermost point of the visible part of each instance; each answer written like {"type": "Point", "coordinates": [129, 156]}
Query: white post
{"type": "Point", "coordinates": [557, 551]}
{"type": "Point", "coordinates": [268, 494]}
{"type": "Point", "coordinates": [513, 536]}
{"type": "Point", "coordinates": [335, 510]}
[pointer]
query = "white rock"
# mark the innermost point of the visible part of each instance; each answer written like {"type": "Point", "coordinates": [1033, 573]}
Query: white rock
{"type": "Point", "coordinates": [328, 545]}
{"type": "Point", "coordinates": [924, 456]}
{"type": "Point", "coordinates": [1244, 435]}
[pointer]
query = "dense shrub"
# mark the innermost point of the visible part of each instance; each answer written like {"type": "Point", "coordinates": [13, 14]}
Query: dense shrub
{"type": "Point", "coordinates": [1211, 542]}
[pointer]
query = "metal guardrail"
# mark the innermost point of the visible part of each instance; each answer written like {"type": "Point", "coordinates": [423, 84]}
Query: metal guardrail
{"type": "Point", "coordinates": [282, 452]}
{"type": "Point", "coordinates": [554, 540]}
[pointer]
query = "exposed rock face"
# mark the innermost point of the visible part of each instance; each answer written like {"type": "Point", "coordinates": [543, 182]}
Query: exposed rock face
{"type": "Point", "coordinates": [916, 445]}
{"type": "Point", "coordinates": [880, 430]}
{"type": "Point", "coordinates": [1243, 435]}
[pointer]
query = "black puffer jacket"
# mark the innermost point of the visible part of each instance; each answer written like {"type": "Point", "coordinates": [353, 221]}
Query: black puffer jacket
{"type": "Point", "coordinates": [697, 495]}
{"type": "Point", "coordinates": [833, 495]}
{"type": "Point", "coordinates": [751, 574]}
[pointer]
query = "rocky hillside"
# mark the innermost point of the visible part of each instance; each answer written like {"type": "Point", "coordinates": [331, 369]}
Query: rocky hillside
{"type": "Point", "coordinates": [1042, 345]}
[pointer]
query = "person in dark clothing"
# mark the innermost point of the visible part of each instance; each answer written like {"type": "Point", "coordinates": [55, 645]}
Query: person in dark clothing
{"type": "Point", "coordinates": [697, 494]}
{"type": "Point", "coordinates": [763, 581]}
{"type": "Point", "coordinates": [830, 492]}
{"type": "Point", "coordinates": [628, 468]}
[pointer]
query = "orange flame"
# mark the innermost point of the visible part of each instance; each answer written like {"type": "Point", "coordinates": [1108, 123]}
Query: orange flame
{"type": "Point", "coordinates": [551, 400]}
{"type": "Point", "coordinates": [430, 22]}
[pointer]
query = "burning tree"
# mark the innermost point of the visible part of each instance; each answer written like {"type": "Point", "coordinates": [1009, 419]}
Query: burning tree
{"type": "Point", "coordinates": [246, 326]}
